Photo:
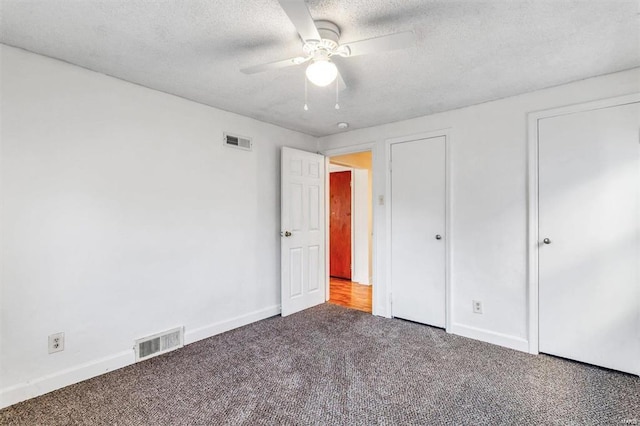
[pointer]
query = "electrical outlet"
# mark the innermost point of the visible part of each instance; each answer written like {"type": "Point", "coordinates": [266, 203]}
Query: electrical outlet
{"type": "Point", "coordinates": [56, 342]}
{"type": "Point", "coordinates": [477, 307]}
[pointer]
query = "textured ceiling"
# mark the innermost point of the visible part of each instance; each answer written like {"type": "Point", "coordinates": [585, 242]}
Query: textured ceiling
{"type": "Point", "coordinates": [466, 52]}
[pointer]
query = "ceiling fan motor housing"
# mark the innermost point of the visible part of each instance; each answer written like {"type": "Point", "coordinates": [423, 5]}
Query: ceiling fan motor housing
{"type": "Point", "coordinates": [330, 38]}
{"type": "Point", "coordinates": [328, 31]}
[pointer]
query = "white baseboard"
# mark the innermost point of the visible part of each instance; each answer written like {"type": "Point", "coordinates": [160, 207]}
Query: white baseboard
{"type": "Point", "coordinates": [51, 382]}
{"type": "Point", "coordinates": [361, 279]}
{"type": "Point", "coordinates": [191, 336]}
{"type": "Point", "coordinates": [488, 336]}
{"type": "Point", "coordinates": [32, 388]}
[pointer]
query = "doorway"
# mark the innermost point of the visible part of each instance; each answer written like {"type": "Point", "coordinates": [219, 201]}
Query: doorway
{"type": "Point", "coordinates": [350, 230]}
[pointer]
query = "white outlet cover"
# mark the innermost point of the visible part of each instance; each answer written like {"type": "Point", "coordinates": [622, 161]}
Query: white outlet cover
{"type": "Point", "coordinates": [477, 307]}
{"type": "Point", "coordinates": [56, 342]}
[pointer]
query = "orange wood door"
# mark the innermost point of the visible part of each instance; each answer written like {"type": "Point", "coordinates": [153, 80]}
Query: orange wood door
{"type": "Point", "coordinates": [340, 225]}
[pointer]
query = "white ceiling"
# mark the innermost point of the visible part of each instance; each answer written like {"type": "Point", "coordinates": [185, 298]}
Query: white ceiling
{"type": "Point", "coordinates": [466, 52]}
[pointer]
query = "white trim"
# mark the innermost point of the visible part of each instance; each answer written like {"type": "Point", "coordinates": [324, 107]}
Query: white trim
{"type": "Point", "coordinates": [351, 149]}
{"type": "Point", "coordinates": [448, 238]}
{"type": "Point", "coordinates": [211, 330]}
{"type": "Point", "coordinates": [532, 232]}
{"type": "Point", "coordinates": [532, 196]}
{"type": "Point", "coordinates": [327, 219]}
{"type": "Point", "coordinates": [375, 280]}
{"type": "Point", "coordinates": [338, 168]}
{"type": "Point", "coordinates": [508, 341]}
{"type": "Point", "coordinates": [448, 213]}
{"type": "Point", "coordinates": [50, 382]}
{"type": "Point", "coordinates": [360, 225]}
{"type": "Point", "coordinates": [40, 386]}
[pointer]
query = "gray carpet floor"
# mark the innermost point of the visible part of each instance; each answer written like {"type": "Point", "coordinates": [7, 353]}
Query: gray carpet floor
{"type": "Point", "coordinates": [336, 366]}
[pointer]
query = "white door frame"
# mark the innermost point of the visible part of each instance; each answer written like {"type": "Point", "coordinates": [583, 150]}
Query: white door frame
{"type": "Point", "coordinates": [447, 232]}
{"type": "Point", "coordinates": [361, 231]}
{"type": "Point", "coordinates": [353, 149]}
{"type": "Point", "coordinates": [532, 184]}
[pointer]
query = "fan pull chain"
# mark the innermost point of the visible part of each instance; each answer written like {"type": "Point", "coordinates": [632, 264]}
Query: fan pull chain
{"type": "Point", "coordinates": [337, 95]}
{"type": "Point", "coordinates": [306, 107]}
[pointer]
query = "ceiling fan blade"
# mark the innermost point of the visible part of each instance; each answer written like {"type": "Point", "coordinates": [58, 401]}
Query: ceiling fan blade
{"type": "Point", "coordinates": [299, 15]}
{"type": "Point", "coordinates": [275, 65]}
{"type": "Point", "coordinates": [378, 44]}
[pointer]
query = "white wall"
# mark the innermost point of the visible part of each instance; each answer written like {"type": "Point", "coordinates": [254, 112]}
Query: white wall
{"type": "Point", "coordinates": [124, 215]}
{"type": "Point", "coordinates": [488, 218]}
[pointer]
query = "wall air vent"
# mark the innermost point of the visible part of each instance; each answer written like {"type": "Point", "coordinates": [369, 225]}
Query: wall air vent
{"type": "Point", "coordinates": [236, 141]}
{"type": "Point", "coordinates": [160, 343]}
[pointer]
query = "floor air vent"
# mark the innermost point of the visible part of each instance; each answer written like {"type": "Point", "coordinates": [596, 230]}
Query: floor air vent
{"type": "Point", "coordinates": [240, 142]}
{"type": "Point", "coordinates": [160, 343]}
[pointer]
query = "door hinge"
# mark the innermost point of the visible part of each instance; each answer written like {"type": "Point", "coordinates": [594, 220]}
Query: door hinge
{"type": "Point", "coordinates": [390, 166]}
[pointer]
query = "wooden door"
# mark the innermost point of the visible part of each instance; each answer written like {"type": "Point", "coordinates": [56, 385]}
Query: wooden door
{"type": "Point", "coordinates": [302, 230]}
{"type": "Point", "coordinates": [417, 230]}
{"type": "Point", "coordinates": [340, 224]}
{"type": "Point", "coordinates": [589, 248]}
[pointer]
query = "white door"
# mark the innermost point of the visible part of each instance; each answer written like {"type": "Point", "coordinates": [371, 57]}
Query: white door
{"type": "Point", "coordinates": [417, 230]}
{"type": "Point", "coordinates": [589, 249]}
{"type": "Point", "coordinates": [303, 230]}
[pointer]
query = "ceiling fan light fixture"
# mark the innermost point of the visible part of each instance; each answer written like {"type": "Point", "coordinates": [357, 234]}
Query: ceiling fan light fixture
{"type": "Point", "coordinates": [322, 72]}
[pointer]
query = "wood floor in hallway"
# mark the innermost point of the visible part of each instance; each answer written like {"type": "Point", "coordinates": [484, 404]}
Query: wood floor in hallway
{"type": "Point", "coordinates": [350, 294]}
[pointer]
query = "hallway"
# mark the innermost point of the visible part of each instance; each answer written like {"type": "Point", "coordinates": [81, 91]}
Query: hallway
{"type": "Point", "coordinates": [350, 294]}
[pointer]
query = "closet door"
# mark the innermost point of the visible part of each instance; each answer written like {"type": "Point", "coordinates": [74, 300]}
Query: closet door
{"type": "Point", "coordinates": [589, 249]}
{"type": "Point", "coordinates": [417, 230]}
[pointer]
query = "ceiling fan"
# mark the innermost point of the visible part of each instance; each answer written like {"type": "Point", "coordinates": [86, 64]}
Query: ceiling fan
{"type": "Point", "coordinates": [322, 41]}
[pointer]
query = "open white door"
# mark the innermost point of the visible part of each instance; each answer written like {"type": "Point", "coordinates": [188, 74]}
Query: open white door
{"type": "Point", "coordinates": [302, 230]}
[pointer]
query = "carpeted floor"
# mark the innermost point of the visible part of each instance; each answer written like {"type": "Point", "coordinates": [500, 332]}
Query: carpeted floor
{"type": "Point", "coordinates": [336, 366]}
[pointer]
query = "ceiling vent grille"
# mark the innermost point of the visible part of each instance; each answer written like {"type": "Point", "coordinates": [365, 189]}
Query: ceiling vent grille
{"type": "Point", "coordinates": [158, 344]}
{"type": "Point", "coordinates": [240, 142]}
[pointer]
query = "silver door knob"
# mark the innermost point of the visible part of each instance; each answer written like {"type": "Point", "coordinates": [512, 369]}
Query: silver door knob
{"type": "Point", "coordinates": [286, 234]}
{"type": "Point", "coordinates": [546, 241]}
{"type": "Point", "coordinates": [438, 237]}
